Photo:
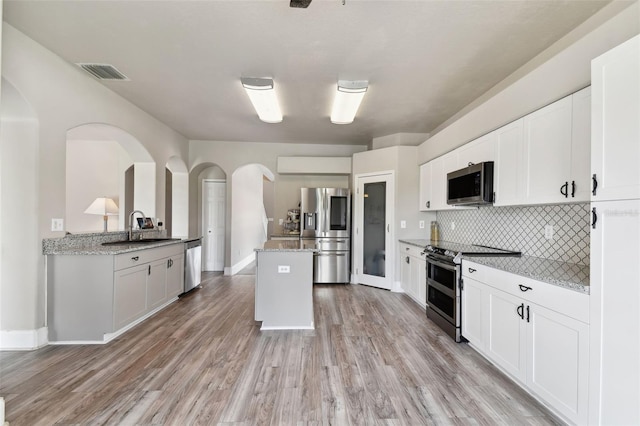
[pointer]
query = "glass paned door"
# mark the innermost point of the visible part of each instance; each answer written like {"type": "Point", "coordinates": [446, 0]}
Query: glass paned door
{"type": "Point", "coordinates": [373, 248]}
{"type": "Point", "coordinates": [374, 228]}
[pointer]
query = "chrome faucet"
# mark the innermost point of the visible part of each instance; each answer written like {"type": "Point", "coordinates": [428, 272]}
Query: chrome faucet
{"type": "Point", "coordinates": [144, 219]}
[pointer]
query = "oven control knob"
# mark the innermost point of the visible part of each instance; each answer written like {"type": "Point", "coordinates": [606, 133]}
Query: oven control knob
{"type": "Point", "coordinates": [447, 253]}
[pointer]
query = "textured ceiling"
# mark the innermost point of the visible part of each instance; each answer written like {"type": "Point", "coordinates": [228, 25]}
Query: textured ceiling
{"type": "Point", "coordinates": [425, 60]}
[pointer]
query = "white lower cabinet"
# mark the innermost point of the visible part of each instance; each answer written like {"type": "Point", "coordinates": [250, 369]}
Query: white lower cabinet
{"type": "Point", "coordinates": [95, 298]}
{"type": "Point", "coordinates": [413, 272]}
{"type": "Point", "coordinates": [546, 351]}
{"type": "Point", "coordinates": [129, 295]}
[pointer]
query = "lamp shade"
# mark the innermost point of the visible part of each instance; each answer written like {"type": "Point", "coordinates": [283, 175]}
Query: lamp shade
{"type": "Point", "coordinates": [103, 207]}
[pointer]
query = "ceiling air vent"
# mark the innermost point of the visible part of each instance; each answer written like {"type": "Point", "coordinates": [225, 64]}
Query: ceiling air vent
{"type": "Point", "coordinates": [103, 71]}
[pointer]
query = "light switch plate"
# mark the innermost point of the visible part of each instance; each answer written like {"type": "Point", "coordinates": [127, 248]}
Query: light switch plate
{"type": "Point", "coordinates": [403, 224]}
{"type": "Point", "coordinates": [421, 224]}
{"type": "Point", "coordinates": [57, 224]}
{"type": "Point", "coordinates": [548, 232]}
{"type": "Point", "coordinates": [284, 269]}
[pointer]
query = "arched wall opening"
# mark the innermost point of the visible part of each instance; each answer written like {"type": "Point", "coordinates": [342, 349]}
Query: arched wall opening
{"type": "Point", "coordinates": [176, 214]}
{"type": "Point", "coordinates": [215, 239]}
{"type": "Point", "coordinates": [99, 159]}
{"type": "Point", "coordinates": [249, 219]}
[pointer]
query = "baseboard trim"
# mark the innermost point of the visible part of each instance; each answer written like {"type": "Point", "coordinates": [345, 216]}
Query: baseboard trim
{"type": "Point", "coordinates": [311, 327]}
{"type": "Point", "coordinates": [240, 265]}
{"type": "Point", "coordinates": [23, 340]}
{"type": "Point", "coordinates": [396, 287]}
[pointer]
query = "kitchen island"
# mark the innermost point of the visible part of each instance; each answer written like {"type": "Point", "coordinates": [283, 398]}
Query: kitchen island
{"type": "Point", "coordinates": [284, 285]}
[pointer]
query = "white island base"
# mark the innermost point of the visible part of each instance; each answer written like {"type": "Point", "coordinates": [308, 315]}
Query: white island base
{"type": "Point", "coordinates": [284, 286]}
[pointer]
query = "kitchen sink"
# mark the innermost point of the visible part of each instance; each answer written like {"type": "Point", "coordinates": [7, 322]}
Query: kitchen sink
{"type": "Point", "coordinates": [139, 242]}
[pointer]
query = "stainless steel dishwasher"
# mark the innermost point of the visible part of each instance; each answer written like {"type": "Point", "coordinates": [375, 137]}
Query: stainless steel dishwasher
{"type": "Point", "coordinates": [192, 263]}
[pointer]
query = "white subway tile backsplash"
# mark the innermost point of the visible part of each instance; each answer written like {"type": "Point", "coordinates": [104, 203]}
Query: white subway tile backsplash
{"type": "Point", "coordinates": [522, 228]}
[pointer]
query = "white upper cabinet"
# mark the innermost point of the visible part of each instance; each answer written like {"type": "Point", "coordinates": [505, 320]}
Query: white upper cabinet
{"type": "Point", "coordinates": [433, 182]}
{"type": "Point", "coordinates": [508, 180]}
{"type": "Point", "coordinates": [477, 151]}
{"type": "Point", "coordinates": [425, 187]}
{"type": "Point", "coordinates": [580, 184]}
{"type": "Point", "coordinates": [615, 144]}
{"type": "Point", "coordinates": [547, 153]}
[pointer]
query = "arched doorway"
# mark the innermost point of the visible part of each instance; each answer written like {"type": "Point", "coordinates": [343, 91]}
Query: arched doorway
{"type": "Point", "coordinates": [98, 157]}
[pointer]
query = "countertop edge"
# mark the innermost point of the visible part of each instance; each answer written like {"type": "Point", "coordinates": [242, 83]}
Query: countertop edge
{"type": "Point", "coordinates": [97, 250]}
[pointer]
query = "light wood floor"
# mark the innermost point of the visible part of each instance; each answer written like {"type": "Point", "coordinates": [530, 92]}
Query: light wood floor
{"type": "Point", "coordinates": [374, 358]}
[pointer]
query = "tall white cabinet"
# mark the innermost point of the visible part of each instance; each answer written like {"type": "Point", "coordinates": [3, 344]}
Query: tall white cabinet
{"type": "Point", "coordinates": [615, 237]}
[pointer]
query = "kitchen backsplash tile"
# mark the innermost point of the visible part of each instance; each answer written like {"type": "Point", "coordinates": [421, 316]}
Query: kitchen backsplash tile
{"type": "Point", "coordinates": [522, 228]}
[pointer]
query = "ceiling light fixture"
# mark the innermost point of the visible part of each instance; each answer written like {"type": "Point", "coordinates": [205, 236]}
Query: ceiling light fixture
{"type": "Point", "coordinates": [262, 94]}
{"type": "Point", "coordinates": [347, 100]}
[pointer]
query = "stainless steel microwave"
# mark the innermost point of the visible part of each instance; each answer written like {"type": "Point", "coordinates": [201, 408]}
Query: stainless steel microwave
{"type": "Point", "coordinates": [471, 186]}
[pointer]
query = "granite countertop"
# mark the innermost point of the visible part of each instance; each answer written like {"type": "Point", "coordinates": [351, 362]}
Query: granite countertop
{"type": "Point", "coordinates": [288, 245]}
{"type": "Point", "coordinates": [418, 242]}
{"type": "Point", "coordinates": [99, 249]}
{"type": "Point", "coordinates": [91, 243]}
{"type": "Point", "coordinates": [567, 275]}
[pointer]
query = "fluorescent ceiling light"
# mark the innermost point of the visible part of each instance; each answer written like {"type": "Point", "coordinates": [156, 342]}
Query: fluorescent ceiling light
{"type": "Point", "coordinates": [347, 100]}
{"type": "Point", "coordinates": [263, 97]}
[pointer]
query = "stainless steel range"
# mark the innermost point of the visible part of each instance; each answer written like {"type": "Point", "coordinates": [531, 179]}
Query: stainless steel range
{"type": "Point", "coordinates": [444, 284]}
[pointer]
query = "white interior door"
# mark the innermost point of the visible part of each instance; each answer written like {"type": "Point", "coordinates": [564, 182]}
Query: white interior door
{"type": "Point", "coordinates": [374, 252]}
{"type": "Point", "coordinates": [213, 220]}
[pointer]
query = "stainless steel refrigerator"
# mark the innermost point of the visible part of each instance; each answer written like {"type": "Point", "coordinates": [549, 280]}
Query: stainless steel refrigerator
{"type": "Point", "coordinates": [325, 216]}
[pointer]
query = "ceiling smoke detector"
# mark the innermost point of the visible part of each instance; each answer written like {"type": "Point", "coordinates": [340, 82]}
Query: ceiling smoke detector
{"type": "Point", "coordinates": [299, 3]}
{"type": "Point", "coordinates": [103, 71]}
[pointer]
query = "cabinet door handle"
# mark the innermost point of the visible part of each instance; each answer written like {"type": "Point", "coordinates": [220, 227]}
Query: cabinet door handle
{"type": "Point", "coordinates": [471, 270]}
{"type": "Point", "coordinates": [564, 188]}
{"type": "Point", "coordinates": [594, 218]}
{"type": "Point", "coordinates": [149, 270]}
{"type": "Point", "coordinates": [428, 204]}
{"type": "Point", "coordinates": [520, 311]}
{"type": "Point", "coordinates": [594, 179]}
{"type": "Point", "coordinates": [135, 258]}
{"type": "Point", "coordinates": [407, 248]}
{"type": "Point", "coordinates": [524, 288]}
{"type": "Point", "coordinates": [527, 313]}
{"type": "Point", "coordinates": [406, 259]}
{"type": "Point", "coordinates": [573, 189]}
{"type": "Point", "coordinates": [169, 263]}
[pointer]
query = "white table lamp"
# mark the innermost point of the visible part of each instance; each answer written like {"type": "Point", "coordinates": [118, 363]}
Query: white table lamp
{"type": "Point", "coordinates": [105, 207]}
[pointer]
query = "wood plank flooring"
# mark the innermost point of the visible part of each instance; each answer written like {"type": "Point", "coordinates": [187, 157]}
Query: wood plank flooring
{"type": "Point", "coordinates": [374, 358]}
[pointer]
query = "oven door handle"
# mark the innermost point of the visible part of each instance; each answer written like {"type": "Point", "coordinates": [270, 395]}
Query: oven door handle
{"type": "Point", "coordinates": [441, 264]}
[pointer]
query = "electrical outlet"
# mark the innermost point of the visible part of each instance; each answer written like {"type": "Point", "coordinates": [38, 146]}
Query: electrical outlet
{"type": "Point", "coordinates": [280, 221]}
{"type": "Point", "coordinates": [421, 224]}
{"type": "Point", "coordinates": [57, 224]}
{"type": "Point", "coordinates": [284, 269]}
{"type": "Point", "coordinates": [403, 224]}
{"type": "Point", "coordinates": [453, 226]}
{"type": "Point", "coordinates": [548, 232]}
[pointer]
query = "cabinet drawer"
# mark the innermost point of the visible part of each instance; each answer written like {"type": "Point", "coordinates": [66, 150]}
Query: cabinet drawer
{"type": "Point", "coordinates": [127, 260]}
{"type": "Point", "coordinates": [474, 271]}
{"type": "Point", "coordinates": [411, 250]}
{"type": "Point", "coordinates": [568, 302]}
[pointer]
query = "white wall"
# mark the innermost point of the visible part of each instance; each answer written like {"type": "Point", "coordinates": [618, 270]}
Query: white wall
{"type": "Point", "coordinates": [62, 97]}
{"type": "Point", "coordinates": [94, 169]}
{"type": "Point", "coordinates": [22, 301]}
{"type": "Point", "coordinates": [563, 68]}
{"type": "Point", "coordinates": [247, 222]}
